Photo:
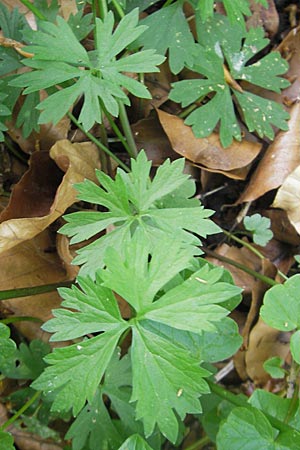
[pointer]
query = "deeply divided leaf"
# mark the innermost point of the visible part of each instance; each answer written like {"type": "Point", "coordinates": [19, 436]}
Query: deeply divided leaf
{"type": "Point", "coordinates": [157, 208]}
{"type": "Point", "coordinates": [223, 58]}
{"type": "Point", "coordinates": [96, 75]}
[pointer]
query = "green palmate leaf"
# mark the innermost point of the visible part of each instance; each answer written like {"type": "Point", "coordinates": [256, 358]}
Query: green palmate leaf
{"type": "Point", "coordinates": [96, 306]}
{"type": "Point", "coordinates": [6, 441]}
{"type": "Point", "coordinates": [138, 279]}
{"type": "Point", "coordinates": [135, 442]}
{"type": "Point", "coordinates": [194, 305]}
{"type": "Point", "coordinates": [48, 9]}
{"type": "Point", "coordinates": [281, 308]}
{"type": "Point", "coordinates": [158, 208]}
{"type": "Point", "coordinates": [26, 362]}
{"type": "Point", "coordinates": [235, 9]}
{"type": "Point", "coordinates": [77, 370]}
{"type": "Point", "coordinates": [169, 30]}
{"type": "Point", "coordinates": [81, 24]}
{"type": "Point", "coordinates": [167, 367]}
{"type": "Point", "coordinates": [260, 227]}
{"type": "Point", "coordinates": [161, 370]}
{"type": "Point", "coordinates": [221, 44]}
{"type": "Point", "coordinates": [93, 428]}
{"type": "Point", "coordinates": [96, 75]}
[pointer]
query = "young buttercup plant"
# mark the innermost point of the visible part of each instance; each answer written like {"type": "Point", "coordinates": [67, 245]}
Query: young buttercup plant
{"type": "Point", "coordinates": [159, 208]}
{"type": "Point", "coordinates": [59, 59]}
{"type": "Point", "coordinates": [222, 56]}
{"type": "Point", "coordinates": [161, 368]}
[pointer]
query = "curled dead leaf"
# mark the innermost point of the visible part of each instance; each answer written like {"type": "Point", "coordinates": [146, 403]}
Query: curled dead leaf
{"type": "Point", "coordinates": [281, 158]}
{"type": "Point", "coordinates": [288, 198]}
{"type": "Point", "coordinates": [207, 152]}
{"type": "Point", "coordinates": [44, 193]}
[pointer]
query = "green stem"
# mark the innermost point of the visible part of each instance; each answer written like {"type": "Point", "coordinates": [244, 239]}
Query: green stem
{"type": "Point", "coordinates": [245, 244]}
{"type": "Point", "coordinates": [198, 445]}
{"type": "Point", "coordinates": [127, 130]}
{"type": "Point", "coordinates": [115, 128]}
{"type": "Point", "coordinates": [167, 3]}
{"type": "Point", "coordinates": [34, 9]}
{"type": "Point", "coordinates": [13, 319]}
{"type": "Point", "coordinates": [34, 290]}
{"type": "Point", "coordinates": [102, 8]}
{"type": "Point", "coordinates": [240, 266]}
{"type": "Point", "coordinates": [118, 8]}
{"type": "Point", "coordinates": [187, 111]}
{"type": "Point", "coordinates": [98, 143]}
{"type": "Point", "coordinates": [21, 410]}
{"type": "Point", "coordinates": [293, 390]}
{"type": "Point", "coordinates": [239, 401]}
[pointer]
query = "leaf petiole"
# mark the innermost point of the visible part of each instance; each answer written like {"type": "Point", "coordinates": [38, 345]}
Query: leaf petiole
{"type": "Point", "coordinates": [34, 9]}
{"type": "Point", "coordinates": [21, 410]}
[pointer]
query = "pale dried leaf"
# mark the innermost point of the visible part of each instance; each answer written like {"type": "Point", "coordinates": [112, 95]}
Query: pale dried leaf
{"type": "Point", "coordinates": [79, 161]}
{"type": "Point", "coordinates": [281, 158]}
{"type": "Point", "coordinates": [288, 198]}
{"type": "Point", "coordinates": [31, 263]}
{"type": "Point", "coordinates": [207, 151]}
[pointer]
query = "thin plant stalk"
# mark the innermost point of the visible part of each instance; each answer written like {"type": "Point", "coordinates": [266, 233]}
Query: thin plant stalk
{"type": "Point", "coordinates": [118, 8]}
{"type": "Point", "coordinates": [15, 319]}
{"type": "Point", "coordinates": [102, 8]}
{"type": "Point", "coordinates": [98, 143]}
{"type": "Point", "coordinates": [33, 290]}
{"type": "Point", "coordinates": [127, 130]}
{"type": "Point", "coordinates": [34, 9]}
{"type": "Point", "coordinates": [245, 244]}
{"type": "Point", "coordinates": [12, 419]}
{"type": "Point", "coordinates": [116, 129]}
{"type": "Point", "coordinates": [246, 269]}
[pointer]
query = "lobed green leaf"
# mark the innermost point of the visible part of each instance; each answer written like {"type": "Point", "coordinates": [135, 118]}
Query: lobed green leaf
{"type": "Point", "coordinates": [76, 371]}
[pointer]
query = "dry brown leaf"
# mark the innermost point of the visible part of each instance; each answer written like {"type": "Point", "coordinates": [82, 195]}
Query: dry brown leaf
{"type": "Point", "coordinates": [264, 343]}
{"type": "Point", "coordinates": [282, 229]}
{"type": "Point", "coordinates": [32, 210]}
{"type": "Point", "coordinates": [281, 158]}
{"type": "Point", "coordinates": [150, 136]}
{"type": "Point", "coordinates": [242, 256]}
{"type": "Point", "coordinates": [31, 263]}
{"type": "Point", "coordinates": [267, 18]}
{"type": "Point", "coordinates": [207, 151]}
{"type": "Point", "coordinates": [48, 135]}
{"type": "Point", "coordinates": [290, 49]}
{"type": "Point", "coordinates": [288, 198]}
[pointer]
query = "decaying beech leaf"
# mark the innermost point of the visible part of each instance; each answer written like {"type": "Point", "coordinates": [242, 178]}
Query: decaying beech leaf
{"type": "Point", "coordinates": [31, 263]}
{"type": "Point", "coordinates": [288, 197]}
{"type": "Point", "coordinates": [45, 192]}
{"type": "Point", "coordinates": [281, 158]}
{"type": "Point", "coordinates": [207, 152]}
